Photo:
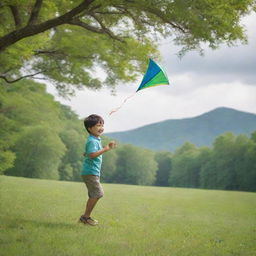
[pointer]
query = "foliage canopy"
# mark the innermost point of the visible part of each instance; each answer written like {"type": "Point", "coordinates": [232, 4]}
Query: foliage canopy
{"type": "Point", "coordinates": [66, 41]}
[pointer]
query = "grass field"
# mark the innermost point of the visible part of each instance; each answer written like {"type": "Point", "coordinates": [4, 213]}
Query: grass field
{"type": "Point", "coordinates": [39, 217]}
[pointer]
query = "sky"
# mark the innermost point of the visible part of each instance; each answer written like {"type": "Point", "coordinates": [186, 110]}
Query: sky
{"type": "Point", "coordinates": [225, 77]}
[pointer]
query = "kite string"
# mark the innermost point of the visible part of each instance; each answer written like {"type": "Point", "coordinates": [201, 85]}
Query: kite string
{"type": "Point", "coordinates": [116, 109]}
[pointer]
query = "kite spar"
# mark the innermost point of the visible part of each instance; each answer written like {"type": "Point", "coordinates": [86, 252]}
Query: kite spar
{"type": "Point", "coordinates": [154, 76]}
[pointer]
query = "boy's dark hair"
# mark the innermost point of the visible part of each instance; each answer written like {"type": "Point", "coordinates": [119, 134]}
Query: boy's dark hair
{"type": "Point", "coordinates": [92, 120]}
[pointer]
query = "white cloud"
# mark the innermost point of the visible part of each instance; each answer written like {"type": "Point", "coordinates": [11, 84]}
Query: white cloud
{"type": "Point", "coordinates": [224, 64]}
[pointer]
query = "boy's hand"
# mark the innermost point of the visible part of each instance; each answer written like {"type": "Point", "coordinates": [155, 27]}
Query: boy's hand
{"type": "Point", "coordinates": [112, 144]}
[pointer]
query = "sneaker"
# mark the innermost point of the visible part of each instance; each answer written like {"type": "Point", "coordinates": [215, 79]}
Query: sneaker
{"type": "Point", "coordinates": [88, 220]}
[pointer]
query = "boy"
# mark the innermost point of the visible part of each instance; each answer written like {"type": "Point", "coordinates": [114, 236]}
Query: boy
{"type": "Point", "coordinates": [90, 173]}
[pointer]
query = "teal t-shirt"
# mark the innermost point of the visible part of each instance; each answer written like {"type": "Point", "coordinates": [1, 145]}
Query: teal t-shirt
{"type": "Point", "coordinates": [92, 166]}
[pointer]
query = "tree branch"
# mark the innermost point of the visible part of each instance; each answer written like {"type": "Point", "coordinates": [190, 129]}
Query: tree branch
{"type": "Point", "coordinates": [159, 15]}
{"type": "Point", "coordinates": [16, 15]}
{"type": "Point", "coordinates": [60, 53]}
{"type": "Point", "coordinates": [32, 29]}
{"type": "Point", "coordinates": [105, 29]}
{"type": "Point", "coordinates": [35, 12]}
{"type": "Point", "coordinates": [110, 12]}
{"type": "Point", "coordinates": [49, 52]}
{"type": "Point", "coordinates": [20, 78]}
{"type": "Point", "coordinates": [78, 22]}
{"type": "Point", "coordinates": [136, 19]}
{"type": "Point", "coordinates": [102, 30]}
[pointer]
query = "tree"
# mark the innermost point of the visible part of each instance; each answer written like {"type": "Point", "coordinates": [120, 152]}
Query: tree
{"type": "Point", "coordinates": [109, 166]}
{"type": "Point", "coordinates": [185, 167]}
{"type": "Point", "coordinates": [246, 166]}
{"type": "Point", "coordinates": [71, 162]}
{"type": "Point", "coordinates": [135, 166]}
{"type": "Point", "coordinates": [73, 138]}
{"type": "Point", "coordinates": [207, 169]}
{"type": "Point", "coordinates": [7, 138]}
{"type": "Point", "coordinates": [38, 153]}
{"type": "Point", "coordinates": [7, 158]}
{"type": "Point", "coordinates": [208, 174]}
{"type": "Point", "coordinates": [24, 104]}
{"type": "Point", "coordinates": [25, 110]}
{"type": "Point", "coordinates": [65, 40]}
{"type": "Point", "coordinates": [224, 153]}
{"type": "Point", "coordinates": [164, 163]}
{"type": "Point", "coordinates": [230, 164]}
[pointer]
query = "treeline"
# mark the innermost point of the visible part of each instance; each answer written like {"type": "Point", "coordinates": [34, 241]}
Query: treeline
{"type": "Point", "coordinates": [230, 164]}
{"type": "Point", "coordinates": [40, 138]}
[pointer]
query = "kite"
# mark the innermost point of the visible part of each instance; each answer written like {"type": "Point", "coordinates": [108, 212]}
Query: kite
{"type": "Point", "coordinates": [154, 76]}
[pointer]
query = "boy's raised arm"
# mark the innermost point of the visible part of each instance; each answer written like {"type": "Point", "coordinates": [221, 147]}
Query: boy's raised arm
{"type": "Point", "coordinates": [110, 146]}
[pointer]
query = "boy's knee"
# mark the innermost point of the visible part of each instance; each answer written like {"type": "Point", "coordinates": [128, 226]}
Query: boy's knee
{"type": "Point", "coordinates": [96, 194]}
{"type": "Point", "coordinates": [101, 194]}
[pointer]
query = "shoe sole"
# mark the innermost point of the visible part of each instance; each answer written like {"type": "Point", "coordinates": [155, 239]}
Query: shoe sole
{"type": "Point", "coordinates": [85, 222]}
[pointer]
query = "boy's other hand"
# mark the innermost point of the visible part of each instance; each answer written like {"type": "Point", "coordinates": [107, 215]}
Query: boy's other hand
{"type": "Point", "coordinates": [112, 144]}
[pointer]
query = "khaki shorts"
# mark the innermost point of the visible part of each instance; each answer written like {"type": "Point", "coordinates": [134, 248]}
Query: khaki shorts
{"type": "Point", "coordinates": [93, 185]}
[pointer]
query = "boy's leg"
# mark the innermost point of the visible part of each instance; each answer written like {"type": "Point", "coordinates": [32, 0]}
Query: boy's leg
{"type": "Point", "coordinates": [89, 206]}
{"type": "Point", "coordinates": [95, 192]}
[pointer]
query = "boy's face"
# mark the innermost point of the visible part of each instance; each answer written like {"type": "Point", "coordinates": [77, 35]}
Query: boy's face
{"type": "Point", "coordinates": [97, 129]}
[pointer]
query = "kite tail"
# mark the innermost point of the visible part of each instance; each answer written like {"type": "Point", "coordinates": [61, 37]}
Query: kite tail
{"type": "Point", "coordinates": [116, 109]}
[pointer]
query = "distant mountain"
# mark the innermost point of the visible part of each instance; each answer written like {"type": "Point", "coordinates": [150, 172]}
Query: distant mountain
{"type": "Point", "coordinates": [201, 130]}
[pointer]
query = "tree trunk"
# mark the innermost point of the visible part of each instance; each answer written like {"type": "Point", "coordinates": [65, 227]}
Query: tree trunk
{"type": "Point", "coordinates": [31, 30]}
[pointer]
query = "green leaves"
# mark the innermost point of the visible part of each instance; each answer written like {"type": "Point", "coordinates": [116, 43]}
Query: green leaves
{"type": "Point", "coordinates": [33, 139]}
{"type": "Point", "coordinates": [67, 39]}
{"type": "Point", "coordinates": [38, 153]}
{"type": "Point", "coordinates": [6, 159]}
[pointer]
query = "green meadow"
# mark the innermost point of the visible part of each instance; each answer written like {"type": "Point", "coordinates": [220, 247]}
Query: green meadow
{"type": "Point", "coordinates": [40, 217]}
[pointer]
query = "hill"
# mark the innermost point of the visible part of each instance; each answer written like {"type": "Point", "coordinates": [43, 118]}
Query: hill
{"type": "Point", "coordinates": [200, 130]}
{"type": "Point", "coordinates": [39, 217]}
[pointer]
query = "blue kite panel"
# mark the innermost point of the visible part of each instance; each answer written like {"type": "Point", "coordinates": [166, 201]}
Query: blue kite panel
{"type": "Point", "coordinates": [153, 70]}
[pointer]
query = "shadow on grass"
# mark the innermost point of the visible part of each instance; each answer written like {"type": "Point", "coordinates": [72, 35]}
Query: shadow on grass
{"type": "Point", "coordinates": [19, 223]}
